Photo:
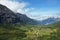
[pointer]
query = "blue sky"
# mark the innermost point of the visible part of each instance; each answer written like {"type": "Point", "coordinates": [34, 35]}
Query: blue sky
{"type": "Point", "coordinates": [49, 6]}
{"type": "Point", "coordinates": [44, 7]}
{"type": "Point", "coordinates": [34, 8]}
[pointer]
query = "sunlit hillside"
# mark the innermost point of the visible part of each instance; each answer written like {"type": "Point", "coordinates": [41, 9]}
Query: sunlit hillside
{"type": "Point", "coordinates": [30, 32]}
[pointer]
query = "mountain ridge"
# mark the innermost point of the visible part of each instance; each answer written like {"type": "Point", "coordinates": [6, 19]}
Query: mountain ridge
{"type": "Point", "coordinates": [8, 16]}
{"type": "Point", "coordinates": [49, 20]}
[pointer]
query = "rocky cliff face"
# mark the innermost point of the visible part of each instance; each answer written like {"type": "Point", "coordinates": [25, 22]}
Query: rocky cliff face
{"type": "Point", "coordinates": [7, 16]}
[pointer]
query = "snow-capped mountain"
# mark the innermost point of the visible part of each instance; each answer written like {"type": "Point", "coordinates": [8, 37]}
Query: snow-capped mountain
{"type": "Point", "coordinates": [49, 20]}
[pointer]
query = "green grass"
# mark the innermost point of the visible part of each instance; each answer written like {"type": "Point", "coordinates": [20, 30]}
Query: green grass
{"type": "Point", "coordinates": [30, 32]}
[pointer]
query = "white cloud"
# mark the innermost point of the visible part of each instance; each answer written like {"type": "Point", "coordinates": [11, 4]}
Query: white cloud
{"type": "Point", "coordinates": [13, 5]}
{"type": "Point", "coordinates": [20, 11]}
{"type": "Point", "coordinates": [30, 12]}
{"type": "Point", "coordinates": [43, 17]}
{"type": "Point", "coordinates": [16, 6]}
{"type": "Point", "coordinates": [25, 10]}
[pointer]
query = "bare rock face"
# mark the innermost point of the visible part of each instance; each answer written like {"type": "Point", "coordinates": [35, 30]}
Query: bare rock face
{"type": "Point", "coordinates": [7, 16]}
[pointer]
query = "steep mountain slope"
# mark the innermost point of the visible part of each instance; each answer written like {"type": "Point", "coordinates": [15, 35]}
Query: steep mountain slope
{"type": "Point", "coordinates": [26, 20]}
{"type": "Point", "coordinates": [8, 16]}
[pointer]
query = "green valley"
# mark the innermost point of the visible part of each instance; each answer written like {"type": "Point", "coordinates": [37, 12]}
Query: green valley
{"type": "Point", "coordinates": [30, 32]}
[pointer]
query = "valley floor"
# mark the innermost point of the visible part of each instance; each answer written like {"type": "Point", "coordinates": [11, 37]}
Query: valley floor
{"type": "Point", "coordinates": [29, 32]}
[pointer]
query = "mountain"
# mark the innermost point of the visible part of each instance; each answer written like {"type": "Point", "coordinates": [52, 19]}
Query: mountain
{"type": "Point", "coordinates": [50, 20]}
{"type": "Point", "coordinates": [25, 19]}
{"type": "Point", "coordinates": [7, 16]}
{"type": "Point", "coordinates": [54, 25]}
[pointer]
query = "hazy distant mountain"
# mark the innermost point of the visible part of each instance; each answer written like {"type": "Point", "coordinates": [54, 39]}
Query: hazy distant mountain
{"type": "Point", "coordinates": [49, 20]}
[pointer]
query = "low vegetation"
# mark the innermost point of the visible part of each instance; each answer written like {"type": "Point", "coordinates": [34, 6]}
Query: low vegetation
{"type": "Point", "coordinates": [30, 32]}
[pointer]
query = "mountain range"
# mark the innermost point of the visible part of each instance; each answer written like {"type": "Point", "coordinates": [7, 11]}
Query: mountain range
{"type": "Point", "coordinates": [7, 16]}
{"type": "Point", "coordinates": [49, 20]}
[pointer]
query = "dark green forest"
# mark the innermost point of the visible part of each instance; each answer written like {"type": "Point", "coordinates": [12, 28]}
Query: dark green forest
{"type": "Point", "coordinates": [30, 32]}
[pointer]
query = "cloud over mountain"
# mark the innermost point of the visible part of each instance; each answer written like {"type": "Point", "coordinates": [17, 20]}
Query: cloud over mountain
{"type": "Point", "coordinates": [13, 5]}
{"type": "Point", "coordinates": [32, 12]}
{"type": "Point", "coordinates": [43, 17]}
